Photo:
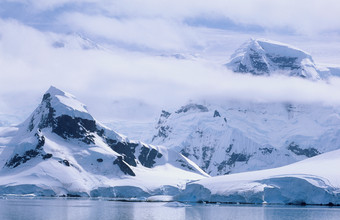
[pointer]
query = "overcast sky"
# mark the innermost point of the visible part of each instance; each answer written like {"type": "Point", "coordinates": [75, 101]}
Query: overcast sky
{"type": "Point", "coordinates": [119, 57]}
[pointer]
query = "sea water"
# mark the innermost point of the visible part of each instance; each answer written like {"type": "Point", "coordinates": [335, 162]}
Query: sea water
{"type": "Point", "coordinates": [79, 209]}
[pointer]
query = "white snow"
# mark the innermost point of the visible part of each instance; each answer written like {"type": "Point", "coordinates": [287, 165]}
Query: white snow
{"type": "Point", "coordinates": [66, 104]}
{"type": "Point", "coordinates": [313, 181]}
{"type": "Point", "coordinates": [160, 198]}
{"type": "Point", "coordinates": [265, 57]}
{"type": "Point", "coordinates": [282, 49]}
{"type": "Point", "coordinates": [248, 130]}
{"type": "Point", "coordinates": [262, 132]}
{"type": "Point", "coordinates": [81, 168]}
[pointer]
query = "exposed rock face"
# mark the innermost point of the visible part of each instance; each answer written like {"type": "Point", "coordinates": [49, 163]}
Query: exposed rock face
{"type": "Point", "coordinates": [53, 114]}
{"type": "Point", "coordinates": [36, 150]}
{"type": "Point", "coordinates": [264, 57]}
{"type": "Point", "coordinates": [192, 107]}
{"type": "Point", "coordinates": [308, 152]}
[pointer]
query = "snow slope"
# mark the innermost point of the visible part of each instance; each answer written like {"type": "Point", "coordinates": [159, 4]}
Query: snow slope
{"type": "Point", "coordinates": [264, 57]}
{"type": "Point", "coordinates": [237, 137]}
{"type": "Point", "coordinates": [134, 129]}
{"type": "Point", "coordinates": [312, 181]}
{"type": "Point", "coordinates": [62, 150]}
{"type": "Point", "coordinates": [6, 135]}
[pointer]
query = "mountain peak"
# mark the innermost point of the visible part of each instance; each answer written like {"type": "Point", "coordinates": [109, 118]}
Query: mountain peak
{"type": "Point", "coordinates": [74, 154]}
{"type": "Point", "coordinates": [54, 91]}
{"type": "Point", "coordinates": [64, 114]}
{"type": "Point", "coordinates": [65, 103]}
{"type": "Point", "coordinates": [266, 57]}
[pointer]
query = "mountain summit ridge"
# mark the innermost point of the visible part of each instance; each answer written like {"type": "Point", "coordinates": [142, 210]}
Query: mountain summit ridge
{"type": "Point", "coordinates": [265, 57]}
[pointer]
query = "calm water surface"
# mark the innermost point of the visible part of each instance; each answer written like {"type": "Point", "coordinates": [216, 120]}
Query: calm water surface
{"type": "Point", "coordinates": [44, 209]}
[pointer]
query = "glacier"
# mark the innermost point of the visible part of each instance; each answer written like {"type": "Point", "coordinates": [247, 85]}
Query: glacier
{"type": "Point", "coordinates": [312, 181]}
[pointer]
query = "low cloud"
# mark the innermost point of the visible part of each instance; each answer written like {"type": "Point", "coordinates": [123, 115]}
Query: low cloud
{"type": "Point", "coordinates": [103, 79]}
{"type": "Point", "coordinates": [156, 34]}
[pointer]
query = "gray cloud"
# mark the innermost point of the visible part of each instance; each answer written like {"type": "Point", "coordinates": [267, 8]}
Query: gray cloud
{"type": "Point", "coordinates": [303, 16]}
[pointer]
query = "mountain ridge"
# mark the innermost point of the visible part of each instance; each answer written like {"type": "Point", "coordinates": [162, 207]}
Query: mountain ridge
{"type": "Point", "coordinates": [71, 153]}
{"type": "Point", "coordinates": [237, 137]}
{"type": "Point", "coordinates": [265, 57]}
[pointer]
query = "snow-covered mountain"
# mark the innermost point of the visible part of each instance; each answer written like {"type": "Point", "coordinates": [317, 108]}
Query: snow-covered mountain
{"type": "Point", "coordinates": [312, 181]}
{"type": "Point", "coordinates": [238, 137]}
{"type": "Point", "coordinates": [62, 150]}
{"type": "Point", "coordinates": [264, 57]}
{"type": "Point", "coordinates": [75, 41]}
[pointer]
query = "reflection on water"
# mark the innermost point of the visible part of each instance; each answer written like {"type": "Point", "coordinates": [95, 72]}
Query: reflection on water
{"type": "Point", "coordinates": [43, 209]}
